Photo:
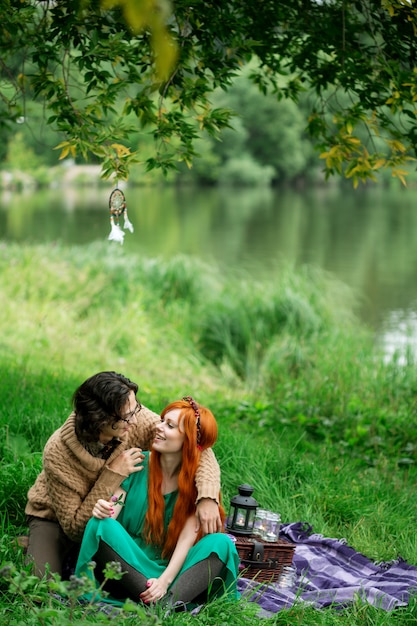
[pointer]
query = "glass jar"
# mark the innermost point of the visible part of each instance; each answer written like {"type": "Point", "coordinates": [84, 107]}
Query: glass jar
{"type": "Point", "coordinates": [260, 526]}
{"type": "Point", "coordinates": [272, 526]}
{"type": "Point", "coordinates": [287, 577]}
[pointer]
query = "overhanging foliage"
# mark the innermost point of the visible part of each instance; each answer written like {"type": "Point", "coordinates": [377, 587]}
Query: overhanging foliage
{"type": "Point", "coordinates": [104, 69]}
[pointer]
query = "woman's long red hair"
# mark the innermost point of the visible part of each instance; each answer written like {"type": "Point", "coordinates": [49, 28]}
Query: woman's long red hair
{"type": "Point", "coordinates": [187, 491]}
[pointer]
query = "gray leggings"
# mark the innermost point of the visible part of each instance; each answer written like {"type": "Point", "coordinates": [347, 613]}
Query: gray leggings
{"type": "Point", "coordinates": [192, 585]}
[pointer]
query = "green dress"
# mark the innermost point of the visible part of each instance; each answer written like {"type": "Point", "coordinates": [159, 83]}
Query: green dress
{"type": "Point", "coordinates": [124, 536]}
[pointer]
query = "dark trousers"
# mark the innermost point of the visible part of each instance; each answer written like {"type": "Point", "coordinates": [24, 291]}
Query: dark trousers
{"type": "Point", "coordinates": [49, 545]}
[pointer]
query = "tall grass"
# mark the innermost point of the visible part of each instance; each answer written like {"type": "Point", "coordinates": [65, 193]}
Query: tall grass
{"type": "Point", "coordinates": [308, 411]}
{"type": "Point", "coordinates": [245, 318]}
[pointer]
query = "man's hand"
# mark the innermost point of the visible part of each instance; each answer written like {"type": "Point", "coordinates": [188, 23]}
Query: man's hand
{"type": "Point", "coordinates": [208, 517]}
{"type": "Point", "coordinates": [128, 462]}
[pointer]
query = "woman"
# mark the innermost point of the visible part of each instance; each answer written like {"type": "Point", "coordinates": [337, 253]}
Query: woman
{"type": "Point", "coordinates": [154, 537]}
{"type": "Point", "coordinates": [98, 446]}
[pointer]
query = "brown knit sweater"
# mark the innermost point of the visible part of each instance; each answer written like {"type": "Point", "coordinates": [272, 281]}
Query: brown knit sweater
{"type": "Point", "coordinates": [72, 480]}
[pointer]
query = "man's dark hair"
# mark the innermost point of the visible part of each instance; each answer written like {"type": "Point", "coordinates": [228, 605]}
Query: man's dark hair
{"type": "Point", "coordinates": [98, 401]}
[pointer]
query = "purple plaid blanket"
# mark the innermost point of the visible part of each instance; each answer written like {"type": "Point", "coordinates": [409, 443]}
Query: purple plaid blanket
{"type": "Point", "coordinates": [330, 573]}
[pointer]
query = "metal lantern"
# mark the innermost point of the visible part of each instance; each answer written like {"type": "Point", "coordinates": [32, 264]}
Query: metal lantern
{"type": "Point", "coordinates": [242, 512]}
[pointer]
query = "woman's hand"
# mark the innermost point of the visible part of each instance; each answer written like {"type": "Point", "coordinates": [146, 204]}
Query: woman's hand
{"type": "Point", "coordinates": [156, 589]}
{"type": "Point", "coordinates": [127, 462]}
{"type": "Point", "coordinates": [103, 509]}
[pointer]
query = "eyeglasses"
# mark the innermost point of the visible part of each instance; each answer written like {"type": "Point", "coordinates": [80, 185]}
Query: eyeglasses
{"type": "Point", "coordinates": [132, 414]}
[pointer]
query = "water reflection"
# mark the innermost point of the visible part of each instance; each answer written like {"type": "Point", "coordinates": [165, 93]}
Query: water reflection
{"type": "Point", "coordinates": [368, 238]}
{"type": "Point", "coordinates": [398, 336]}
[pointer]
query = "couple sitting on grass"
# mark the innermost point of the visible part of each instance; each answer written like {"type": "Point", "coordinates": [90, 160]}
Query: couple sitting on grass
{"type": "Point", "coordinates": [156, 513]}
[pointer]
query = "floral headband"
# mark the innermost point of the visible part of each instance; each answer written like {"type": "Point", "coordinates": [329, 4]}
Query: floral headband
{"type": "Point", "coordinates": [196, 410]}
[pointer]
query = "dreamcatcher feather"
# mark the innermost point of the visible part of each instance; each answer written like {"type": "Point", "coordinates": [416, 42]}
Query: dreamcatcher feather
{"type": "Point", "coordinates": [117, 207]}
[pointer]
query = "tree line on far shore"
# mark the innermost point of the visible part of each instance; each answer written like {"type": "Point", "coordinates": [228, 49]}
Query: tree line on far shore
{"type": "Point", "coordinates": [266, 144]}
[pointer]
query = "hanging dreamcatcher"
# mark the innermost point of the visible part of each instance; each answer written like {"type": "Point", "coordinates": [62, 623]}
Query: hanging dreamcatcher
{"type": "Point", "coordinates": [117, 207]}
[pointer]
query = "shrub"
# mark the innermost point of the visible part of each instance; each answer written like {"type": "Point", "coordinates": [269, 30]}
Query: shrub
{"type": "Point", "coordinates": [244, 170]}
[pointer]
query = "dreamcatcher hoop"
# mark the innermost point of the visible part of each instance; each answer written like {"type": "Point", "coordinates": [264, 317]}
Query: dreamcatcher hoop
{"type": "Point", "coordinates": [118, 207]}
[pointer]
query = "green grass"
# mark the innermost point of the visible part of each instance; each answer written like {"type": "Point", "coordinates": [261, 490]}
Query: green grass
{"type": "Point", "coordinates": [308, 412]}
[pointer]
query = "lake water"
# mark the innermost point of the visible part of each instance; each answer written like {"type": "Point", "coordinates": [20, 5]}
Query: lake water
{"type": "Point", "coordinates": [367, 238]}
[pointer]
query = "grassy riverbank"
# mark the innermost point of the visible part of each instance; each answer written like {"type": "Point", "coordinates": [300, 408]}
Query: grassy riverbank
{"type": "Point", "coordinates": [308, 412]}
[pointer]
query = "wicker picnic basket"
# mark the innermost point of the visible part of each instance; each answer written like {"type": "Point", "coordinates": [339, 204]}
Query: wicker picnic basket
{"type": "Point", "coordinates": [263, 561]}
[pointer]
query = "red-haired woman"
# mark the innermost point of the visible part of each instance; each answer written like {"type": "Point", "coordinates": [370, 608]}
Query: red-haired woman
{"type": "Point", "coordinates": [154, 537]}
